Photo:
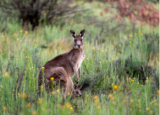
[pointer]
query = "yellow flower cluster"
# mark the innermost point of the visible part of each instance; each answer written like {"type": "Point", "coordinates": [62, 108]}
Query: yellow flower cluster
{"type": "Point", "coordinates": [95, 99]}
{"type": "Point", "coordinates": [111, 97]}
{"type": "Point", "coordinates": [27, 57]}
{"type": "Point", "coordinates": [22, 95]}
{"type": "Point", "coordinates": [40, 101]}
{"type": "Point", "coordinates": [68, 106]}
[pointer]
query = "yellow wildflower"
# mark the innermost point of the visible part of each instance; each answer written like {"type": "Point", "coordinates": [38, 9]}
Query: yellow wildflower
{"type": "Point", "coordinates": [137, 105]}
{"type": "Point", "coordinates": [52, 78]}
{"type": "Point", "coordinates": [21, 31]}
{"type": "Point", "coordinates": [52, 92]}
{"type": "Point", "coordinates": [131, 101]}
{"type": "Point", "coordinates": [14, 34]}
{"type": "Point", "coordinates": [43, 68]}
{"type": "Point", "coordinates": [158, 92]}
{"type": "Point", "coordinates": [115, 87]}
{"type": "Point", "coordinates": [156, 104]}
{"type": "Point", "coordinates": [67, 105]}
{"type": "Point", "coordinates": [147, 108]}
{"type": "Point", "coordinates": [87, 95]}
{"type": "Point", "coordinates": [93, 48]}
{"type": "Point", "coordinates": [95, 97]}
{"type": "Point", "coordinates": [40, 100]}
{"type": "Point", "coordinates": [130, 35]}
{"type": "Point", "coordinates": [5, 108]}
{"type": "Point", "coordinates": [113, 98]}
{"type": "Point", "coordinates": [23, 95]}
{"type": "Point", "coordinates": [71, 108]}
{"type": "Point", "coordinates": [124, 101]}
{"type": "Point", "coordinates": [26, 32]}
{"type": "Point", "coordinates": [57, 90]}
{"type": "Point", "coordinates": [41, 87]}
{"type": "Point", "coordinates": [28, 105]}
{"type": "Point", "coordinates": [96, 101]}
{"type": "Point", "coordinates": [6, 74]}
{"type": "Point", "coordinates": [27, 57]}
{"type": "Point", "coordinates": [34, 112]}
{"type": "Point", "coordinates": [110, 95]}
{"type": "Point", "coordinates": [139, 31]}
{"type": "Point", "coordinates": [68, 94]}
{"type": "Point", "coordinates": [98, 107]}
{"type": "Point", "coordinates": [119, 45]}
{"type": "Point", "coordinates": [151, 112]}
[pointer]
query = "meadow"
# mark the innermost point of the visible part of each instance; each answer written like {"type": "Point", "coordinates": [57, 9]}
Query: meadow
{"type": "Point", "coordinates": [120, 70]}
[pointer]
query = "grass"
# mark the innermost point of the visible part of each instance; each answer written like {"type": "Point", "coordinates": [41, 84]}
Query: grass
{"type": "Point", "coordinates": [114, 69]}
{"type": "Point", "coordinates": [21, 57]}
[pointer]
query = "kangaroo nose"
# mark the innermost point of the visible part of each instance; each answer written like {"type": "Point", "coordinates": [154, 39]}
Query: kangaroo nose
{"type": "Point", "coordinates": [79, 46]}
{"type": "Point", "coordinates": [80, 95]}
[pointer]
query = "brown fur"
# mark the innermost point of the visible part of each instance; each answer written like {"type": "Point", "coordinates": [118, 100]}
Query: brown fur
{"type": "Point", "coordinates": [64, 66]}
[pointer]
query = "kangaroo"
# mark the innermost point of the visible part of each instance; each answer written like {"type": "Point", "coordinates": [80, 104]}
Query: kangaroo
{"type": "Point", "coordinates": [65, 66]}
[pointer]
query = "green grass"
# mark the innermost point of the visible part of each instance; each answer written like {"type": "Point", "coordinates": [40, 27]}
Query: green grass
{"type": "Point", "coordinates": [130, 97]}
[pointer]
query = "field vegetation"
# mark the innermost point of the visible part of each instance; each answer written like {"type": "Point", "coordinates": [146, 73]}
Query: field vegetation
{"type": "Point", "coordinates": [120, 73]}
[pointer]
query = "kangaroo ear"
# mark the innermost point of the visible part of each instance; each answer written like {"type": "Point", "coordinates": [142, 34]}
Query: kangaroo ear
{"type": "Point", "coordinates": [82, 32]}
{"type": "Point", "coordinates": [73, 34]}
{"type": "Point", "coordinates": [78, 87]}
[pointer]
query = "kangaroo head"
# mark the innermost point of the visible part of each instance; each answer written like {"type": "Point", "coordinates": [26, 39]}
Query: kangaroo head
{"type": "Point", "coordinates": [77, 91]}
{"type": "Point", "coordinates": [78, 39]}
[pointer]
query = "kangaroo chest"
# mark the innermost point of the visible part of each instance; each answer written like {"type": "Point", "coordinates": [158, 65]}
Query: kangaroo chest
{"type": "Point", "coordinates": [78, 62]}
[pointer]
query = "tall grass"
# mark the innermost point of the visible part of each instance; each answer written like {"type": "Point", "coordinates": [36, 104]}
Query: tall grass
{"type": "Point", "coordinates": [114, 92]}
